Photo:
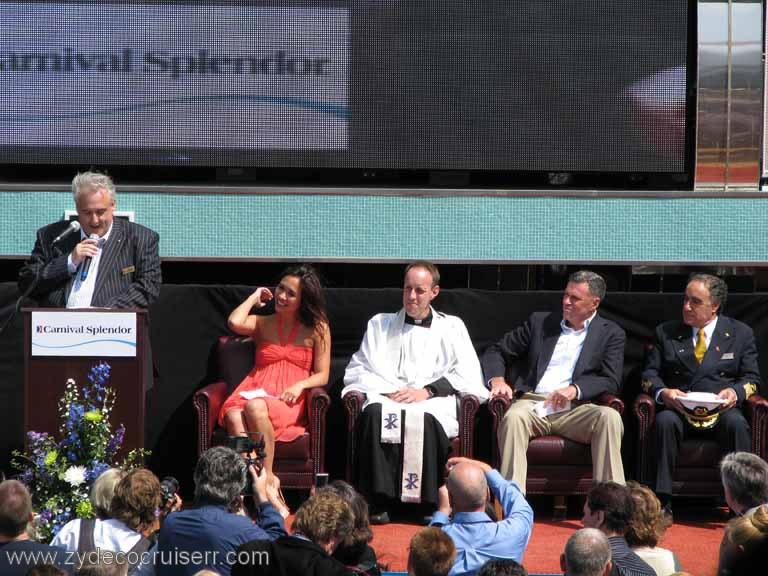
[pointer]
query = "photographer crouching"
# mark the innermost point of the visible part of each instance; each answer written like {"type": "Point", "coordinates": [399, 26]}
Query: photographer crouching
{"type": "Point", "coordinates": [207, 536]}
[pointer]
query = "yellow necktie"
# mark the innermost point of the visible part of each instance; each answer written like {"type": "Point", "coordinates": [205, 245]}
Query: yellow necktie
{"type": "Point", "coordinates": [701, 346]}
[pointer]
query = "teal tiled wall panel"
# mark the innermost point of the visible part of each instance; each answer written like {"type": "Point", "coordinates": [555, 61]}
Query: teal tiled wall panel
{"type": "Point", "coordinates": [462, 228]}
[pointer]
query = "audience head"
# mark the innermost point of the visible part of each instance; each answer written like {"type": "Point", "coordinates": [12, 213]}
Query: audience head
{"type": "Point", "coordinates": [206, 573]}
{"type": "Point", "coordinates": [745, 544]}
{"type": "Point", "coordinates": [103, 490]}
{"type": "Point", "coordinates": [220, 476]}
{"type": "Point", "coordinates": [499, 567]}
{"type": "Point", "coordinates": [326, 519]}
{"type": "Point", "coordinates": [467, 488]}
{"type": "Point", "coordinates": [582, 296]}
{"type": "Point", "coordinates": [310, 292]}
{"type": "Point", "coordinates": [431, 553]}
{"type": "Point", "coordinates": [361, 533]}
{"type": "Point", "coordinates": [421, 285]}
{"type": "Point", "coordinates": [705, 297]}
{"type": "Point", "coordinates": [649, 522]}
{"type": "Point", "coordinates": [587, 553]}
{"type": "Point", "coordinates": [609, 507]}
{"type": "Point", "coordinates": [745, 481]}
{"type": "Point", "coordinates": [137, 499]}
{"type": "Point", "coordinates": [46, 570]}
{"type": "Point", "coordinates": [15, 509]}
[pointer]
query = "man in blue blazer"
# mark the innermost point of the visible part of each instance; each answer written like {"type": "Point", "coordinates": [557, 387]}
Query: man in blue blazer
{"type": "Point", "coordinates": [557, 364]}
{"type": "Point", "coordinates": [705, 352]}
{"type": "Point", "coordinates": [109, 263]}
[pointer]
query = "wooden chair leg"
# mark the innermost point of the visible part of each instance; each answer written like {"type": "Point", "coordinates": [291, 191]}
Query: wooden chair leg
{"type": "Point", "coordinates": [560, 509]}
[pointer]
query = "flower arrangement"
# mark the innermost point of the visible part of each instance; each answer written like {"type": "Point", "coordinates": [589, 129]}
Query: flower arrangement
{"type": "Point", "coordinates": [59, 473]}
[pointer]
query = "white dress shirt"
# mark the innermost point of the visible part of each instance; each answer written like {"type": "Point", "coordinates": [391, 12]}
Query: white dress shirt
{"type": "Point", "coordinates": [559, 372]}
{"type": "Point", "coordinates": [81, 294]}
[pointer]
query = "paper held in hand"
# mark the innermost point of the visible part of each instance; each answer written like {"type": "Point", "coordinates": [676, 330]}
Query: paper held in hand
{"type": "Point", "coordinates": [258, 393]}
{"type": "Point", "coordinates": [542, 409]}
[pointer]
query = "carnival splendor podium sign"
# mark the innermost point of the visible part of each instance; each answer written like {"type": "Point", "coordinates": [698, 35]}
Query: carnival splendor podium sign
{"type": "Point", "coordinates": [89, 333]}
{"type": "Point", "coordinates": [61, 344]}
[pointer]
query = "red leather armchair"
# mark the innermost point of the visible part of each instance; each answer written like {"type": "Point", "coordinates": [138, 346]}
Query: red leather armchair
{"type": "Point", "coordinates": [462, 444]}
{"type": "Point", "coordinates": [297, 462]}
{"type": "Point", "coordinates": [697, 473]}
{"type": "Point", "coordinates": [556, 466]}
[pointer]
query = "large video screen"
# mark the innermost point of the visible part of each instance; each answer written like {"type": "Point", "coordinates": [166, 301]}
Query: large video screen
{"type": "Point", "coordinates": [514, 85]}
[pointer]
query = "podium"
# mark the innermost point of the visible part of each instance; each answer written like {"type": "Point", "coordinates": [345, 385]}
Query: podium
{"type": "Point", "coordinates": [66, 343]}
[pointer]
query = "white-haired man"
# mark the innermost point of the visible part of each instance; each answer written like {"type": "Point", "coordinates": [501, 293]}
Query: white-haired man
{"type": "Point", "coordinates": [109, 263]}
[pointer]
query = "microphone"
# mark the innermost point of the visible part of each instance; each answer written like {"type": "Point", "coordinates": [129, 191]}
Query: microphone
{"type": "Point", "coordinates": [87, 261]}
{"type": "Point", "coordinates": [74, 226]}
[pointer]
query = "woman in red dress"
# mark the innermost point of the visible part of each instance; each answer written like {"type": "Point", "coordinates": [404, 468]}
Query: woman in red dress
{"type": "Point", "coordinates": [293, 353]}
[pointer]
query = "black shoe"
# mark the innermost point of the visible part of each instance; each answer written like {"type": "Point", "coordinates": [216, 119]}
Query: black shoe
{"type": "Point", "coordinates": [379, 519]}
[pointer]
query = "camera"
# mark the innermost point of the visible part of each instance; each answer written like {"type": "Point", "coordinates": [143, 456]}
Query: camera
{"type": "Point", "coordinates": [251, 447]}
{"type": "Point", "coordinates": [169, 488]}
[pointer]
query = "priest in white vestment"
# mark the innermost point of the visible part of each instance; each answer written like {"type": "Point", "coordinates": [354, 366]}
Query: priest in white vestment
{"type": "Point", "coordinates": [413, 366]}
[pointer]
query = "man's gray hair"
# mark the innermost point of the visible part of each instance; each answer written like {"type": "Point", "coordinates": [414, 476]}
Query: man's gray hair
{"type": "Point", "coordinates": [718, 289]}
{"type": "Point", "coordinates": [103, 491]}
{"type": "Point", "coordinates": [88, 182]}
{"type": "Point", "coordinates": [220, 475]}
{"type": "Point", "coordinates": [595, 282]}
{"type": "Point", "coordinates": [745, 475]}
{"type": "Point", "coordinates": [587, 552]}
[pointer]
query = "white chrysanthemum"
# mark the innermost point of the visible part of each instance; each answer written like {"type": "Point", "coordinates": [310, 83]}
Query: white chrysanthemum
{"type": "Point", "coordinates": [75, 475]}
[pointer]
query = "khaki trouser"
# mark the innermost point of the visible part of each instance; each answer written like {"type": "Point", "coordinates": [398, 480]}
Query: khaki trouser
{"type": "Point", "coordinates": [599, 426]}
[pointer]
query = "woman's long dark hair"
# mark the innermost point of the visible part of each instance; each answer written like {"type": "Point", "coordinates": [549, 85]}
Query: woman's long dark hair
{"type": "Point", "coordinates": [312, 309]}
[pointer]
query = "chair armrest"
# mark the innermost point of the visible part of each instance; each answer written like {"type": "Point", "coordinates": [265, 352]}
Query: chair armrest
{"type": "Point", "coordinates": [608, 399]}
{"type": "Point", "coordinates": [317, 407]}
{"type": "Point", "coordinates": [756, 411]}
{"type": "Point", "coordinates": [317, 402]}
{"type": "Point", "coordinates": [644, 409]}
{"type": "Point", "coordinates": [468, 407]}
{"type": "Point", "coordinates": [754, 407]}
{"type": "Point", "coordinates": [498, 405]}
{"type": "Point", "coordinates": [208, 402]}
{"type": "Point", "coordinates": [353, 406]}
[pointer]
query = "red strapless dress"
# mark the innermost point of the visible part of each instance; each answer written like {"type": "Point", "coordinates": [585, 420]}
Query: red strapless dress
{"type": "Point", "coordinates": [277, 367]}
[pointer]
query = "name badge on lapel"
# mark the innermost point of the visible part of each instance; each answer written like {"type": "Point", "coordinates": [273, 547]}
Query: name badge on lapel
{"type": "Point", "coordinates": [727, 356]}
{"type": "Point", "coordinates": [130, 269]}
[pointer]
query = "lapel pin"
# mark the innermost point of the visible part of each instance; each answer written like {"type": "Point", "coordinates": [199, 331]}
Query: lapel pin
{"type": "Point", "coordinates": [727, 334]}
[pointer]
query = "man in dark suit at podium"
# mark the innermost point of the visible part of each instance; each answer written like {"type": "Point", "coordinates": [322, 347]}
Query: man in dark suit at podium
{"type": "Point", "coordinates": [109, 263]}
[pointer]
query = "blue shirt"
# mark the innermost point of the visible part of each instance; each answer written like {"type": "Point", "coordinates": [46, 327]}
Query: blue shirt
{"type": "Point", "coordinates": [479, 539]}
{"type": "Point", "coordinates": [208, 537]}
